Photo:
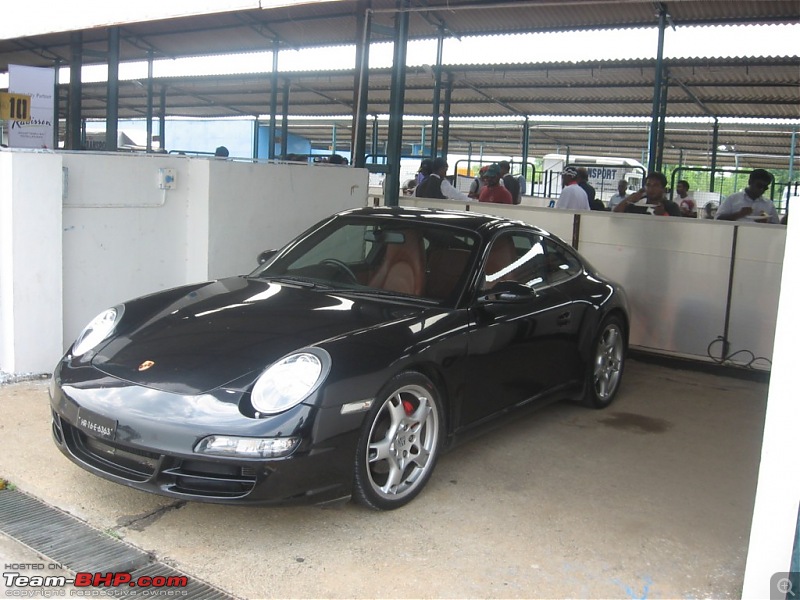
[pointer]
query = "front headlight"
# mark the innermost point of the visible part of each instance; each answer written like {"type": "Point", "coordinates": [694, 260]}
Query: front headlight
{"type": "Point", "coordinates": [97, 330]}
{"type": "Point", "coordinates": [289, 381]}
{"type": "Point", "coordinates": [242, 447]}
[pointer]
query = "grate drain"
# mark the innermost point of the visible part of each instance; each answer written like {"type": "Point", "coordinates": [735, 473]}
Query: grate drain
{"type": "Point", "coordinates": [79, 547]}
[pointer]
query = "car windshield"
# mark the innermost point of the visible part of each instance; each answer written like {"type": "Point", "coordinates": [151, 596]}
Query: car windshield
{"type": "Point", "coordinates": [373, 255]}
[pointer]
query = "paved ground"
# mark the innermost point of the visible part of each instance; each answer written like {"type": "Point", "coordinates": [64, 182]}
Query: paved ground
{"type": "Point", "coordinates": [651, 498]}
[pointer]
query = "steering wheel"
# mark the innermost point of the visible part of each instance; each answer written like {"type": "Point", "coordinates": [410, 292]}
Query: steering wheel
{"type": "Point", "coordinates": [342, 267]}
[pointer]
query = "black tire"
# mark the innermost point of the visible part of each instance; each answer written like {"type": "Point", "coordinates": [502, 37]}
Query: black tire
{"type": "Point", "coordinates": [606, 363]}
{"type": "Point", "coordinates": [399, 443]}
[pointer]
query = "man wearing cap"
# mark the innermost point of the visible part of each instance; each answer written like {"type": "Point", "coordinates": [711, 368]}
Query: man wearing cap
{"type": "Point", "coordinates": [572, 196]}
{"type": "Point", "coordinates": [493, 191]}
{"type": "Point", "coordinates": [437, 185]}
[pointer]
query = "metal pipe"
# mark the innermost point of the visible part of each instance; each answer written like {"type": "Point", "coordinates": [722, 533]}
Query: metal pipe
{"type": "Point", "coordinates": [361, 100]}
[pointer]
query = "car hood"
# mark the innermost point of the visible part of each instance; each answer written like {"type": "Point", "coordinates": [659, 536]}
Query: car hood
{"type": "Point", "coordinates": [228, 331]}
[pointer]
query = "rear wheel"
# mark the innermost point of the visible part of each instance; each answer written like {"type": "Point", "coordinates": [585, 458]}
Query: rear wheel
{"type": "Point", "coordinates": [399, 443]}
{"type": "Point", "coordinates": [607, 361]}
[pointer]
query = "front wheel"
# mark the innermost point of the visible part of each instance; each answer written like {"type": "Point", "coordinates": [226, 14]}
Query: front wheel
{"type": "Point", "coordinates": [607, 361]}
{"type": "Point", "coordinates": [399, 443]}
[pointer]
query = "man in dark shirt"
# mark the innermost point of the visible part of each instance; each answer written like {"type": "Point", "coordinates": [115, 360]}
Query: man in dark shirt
{"type": "Point", "coordinates": [583, 182]}
{"type": "Point", "coordinates": [437, 185]}
{"type": "Point", "coordinates": [509, 181]}
{"type": "Point", "coordinates": [655, 192]}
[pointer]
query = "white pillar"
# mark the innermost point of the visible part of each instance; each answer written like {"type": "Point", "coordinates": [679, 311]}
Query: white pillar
{"type": "Point", "coordinates": [30, 262]}
{"type": "Point", "coordinates": [772, 533]}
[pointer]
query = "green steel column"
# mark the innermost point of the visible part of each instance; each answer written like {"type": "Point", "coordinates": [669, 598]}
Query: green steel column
{"type": "Point", "coordinates": [396, 105]}
{"type": "Point", "coordinates": [714, 144]}
{"type": "Point", "coordinates": [448, 101]}
{"type": "Point", "coordinates": [273, 101]}
{"type": "Point", "coordinates": [162, 119]}
{"type": "Point", "coordinates": [662, 122]}
{"type": "Point", "coordinates": [437, 93]}
{"type": "Point", "coordinates": [56, 104]}
{"type": "Point", "coordinates": [149, 110]}
{"type": "Point", "coordinates": [73, 141]}
{"type": "Point", "coordinates": [652, 146]}
{"type": "Point", "coordinates": [375, 139]}
{"type": "Point", "coordinates": [526, 140]}
{"type": "Point", "coordinates": [112, 90]}
{"type": "Point", "coordinates": [285, 119]}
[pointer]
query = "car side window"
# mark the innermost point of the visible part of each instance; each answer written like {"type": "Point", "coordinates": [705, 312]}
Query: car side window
{"type": "Point", "coordinates": [561, 264]}
{"type": "Point", "coordinates": [515, 256]}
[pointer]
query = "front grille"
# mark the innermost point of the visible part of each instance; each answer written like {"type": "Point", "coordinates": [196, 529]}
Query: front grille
{"type": "Point", "coordinates": [57, 433]}
{"type": "Point", "coordinates": [122, 461]}
{"type": "Point", "coordinates": [201, 478]}
{"type": "Point", "coordinates": [186, 477]}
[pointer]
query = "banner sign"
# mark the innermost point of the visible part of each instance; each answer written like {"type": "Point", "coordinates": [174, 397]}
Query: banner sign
{"type": "Point", "coordinates": [39, 85]}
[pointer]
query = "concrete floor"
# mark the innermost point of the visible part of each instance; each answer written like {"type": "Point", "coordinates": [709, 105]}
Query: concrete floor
{"type": "Point", "coordinates": [651, 498]}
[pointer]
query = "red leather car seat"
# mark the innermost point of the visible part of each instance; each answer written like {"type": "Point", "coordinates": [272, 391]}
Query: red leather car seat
{"type": "Point", "coordinates": [403, 266]}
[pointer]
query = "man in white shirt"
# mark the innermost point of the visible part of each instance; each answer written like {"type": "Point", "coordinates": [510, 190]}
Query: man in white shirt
{"type": "Point", "coordinates": [572, 196]}
{"type": "Point", "coordinates": [750, 205]}
{"type": "Point", "coordinates": [622, 189]}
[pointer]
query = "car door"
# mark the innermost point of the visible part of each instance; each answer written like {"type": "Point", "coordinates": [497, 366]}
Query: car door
{"type": "Point", "coordinates": [521, 340]}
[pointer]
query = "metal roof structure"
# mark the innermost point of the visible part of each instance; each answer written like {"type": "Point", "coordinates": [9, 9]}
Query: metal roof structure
{"type": "Point", "coordinates": [332, 23]}
{"type": "Point", "coordinates": [495, 97]}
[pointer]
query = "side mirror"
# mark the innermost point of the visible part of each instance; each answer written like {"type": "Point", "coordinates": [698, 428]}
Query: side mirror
{"type": "Point", "coordinates": [508, 292]}
{"type": "Point", "coordinates": [266, 255]}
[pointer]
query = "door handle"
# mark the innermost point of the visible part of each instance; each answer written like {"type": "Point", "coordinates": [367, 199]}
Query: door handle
{"type": "Point", "coordinates": [564, 318]}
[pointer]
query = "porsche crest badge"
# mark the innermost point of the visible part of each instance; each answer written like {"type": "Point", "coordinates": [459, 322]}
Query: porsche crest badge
{"type": "Point", "coordinates": [146, 365]}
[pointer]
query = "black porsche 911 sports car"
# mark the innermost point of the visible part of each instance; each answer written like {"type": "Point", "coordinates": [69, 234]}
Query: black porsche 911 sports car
{"type": "Point", "coordinates": [343, 365]}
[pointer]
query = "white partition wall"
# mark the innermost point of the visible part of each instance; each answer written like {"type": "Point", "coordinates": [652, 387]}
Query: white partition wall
{"type": "Point", "coordinates": [30, 262]}
{"type": "Point", "coordinates": [114, 226]}
{"type": "Point", "coordinates": [677, 274]}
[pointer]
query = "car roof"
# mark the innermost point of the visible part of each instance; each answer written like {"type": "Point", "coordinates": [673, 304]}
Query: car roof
{"type": "Point", "coordinates": [478, 222]}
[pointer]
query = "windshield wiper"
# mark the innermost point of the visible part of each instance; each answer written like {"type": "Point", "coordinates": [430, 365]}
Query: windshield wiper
{"type": "Point", "coordinates": [296, 280]}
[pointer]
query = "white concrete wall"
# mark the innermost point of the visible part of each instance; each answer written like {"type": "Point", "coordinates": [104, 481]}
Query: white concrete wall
{"type": "Point", "coordinates": [775, 517]}
{"type": "Point", "coordinates": [675, 272]}
{"type": "Point", "coordinates": [122, 236]}
{"type": "Point", "coordinates": [30, 262]}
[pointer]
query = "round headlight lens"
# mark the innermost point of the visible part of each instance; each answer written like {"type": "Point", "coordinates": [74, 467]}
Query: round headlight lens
{"type": "Point", "coordinates": [287, 383]}
{"type": "Point", "coordinates": [97, 330]}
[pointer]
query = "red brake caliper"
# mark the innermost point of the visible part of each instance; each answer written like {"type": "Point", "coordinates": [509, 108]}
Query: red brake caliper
{"type": "Point", "coordinates": [408, 407]}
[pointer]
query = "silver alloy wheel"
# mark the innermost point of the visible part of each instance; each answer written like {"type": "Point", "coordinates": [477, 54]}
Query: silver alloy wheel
{"type": "Point", "coordinates": [402, 443]}
{"type": "Point", "coordinates": [609, 355]}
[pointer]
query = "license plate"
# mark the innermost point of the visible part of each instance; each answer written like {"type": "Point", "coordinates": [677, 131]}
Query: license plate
{"type": "Point", "coordinates": [97, 425]}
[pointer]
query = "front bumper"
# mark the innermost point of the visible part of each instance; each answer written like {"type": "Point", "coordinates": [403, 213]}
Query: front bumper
{"type": "Point", "coordinates": [152, 448]}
